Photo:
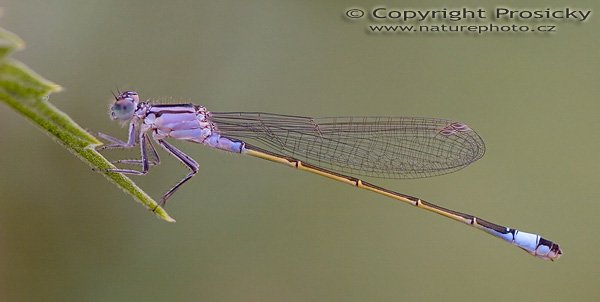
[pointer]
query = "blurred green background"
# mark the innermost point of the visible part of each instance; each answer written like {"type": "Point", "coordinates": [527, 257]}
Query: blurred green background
{"type": "Point", "coordinates": [250, 230]}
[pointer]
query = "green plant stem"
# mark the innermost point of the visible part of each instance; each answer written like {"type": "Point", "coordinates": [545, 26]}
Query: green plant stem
{"type": "Point", "coordinates": [27, 93]}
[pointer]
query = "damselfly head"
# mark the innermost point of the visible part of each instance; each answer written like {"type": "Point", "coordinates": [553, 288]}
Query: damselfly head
{"type": "Point", "coordinates": [124, 106]}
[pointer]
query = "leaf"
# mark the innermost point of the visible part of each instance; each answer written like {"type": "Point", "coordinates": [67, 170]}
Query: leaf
{"type": "Point", "coordinates": [27, 93]}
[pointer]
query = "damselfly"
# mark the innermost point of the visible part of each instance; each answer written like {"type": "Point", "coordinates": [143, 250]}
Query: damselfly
{"type": "Point", "coordinates": [385, 147]}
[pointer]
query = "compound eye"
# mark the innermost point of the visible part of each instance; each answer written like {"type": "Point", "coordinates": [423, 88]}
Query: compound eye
{"type": "Point", "coordinates": [124, 106]}
{"type": "Point", "coordinates": [123, 109]}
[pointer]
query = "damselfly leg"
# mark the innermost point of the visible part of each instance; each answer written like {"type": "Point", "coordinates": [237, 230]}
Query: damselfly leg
{"type": "Point", "coordinates": [149, 157]}
{"type": "Point", "coordinates": [186, 160]}
{"type": "Point", "coordinates": [117, 143]}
